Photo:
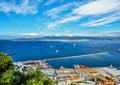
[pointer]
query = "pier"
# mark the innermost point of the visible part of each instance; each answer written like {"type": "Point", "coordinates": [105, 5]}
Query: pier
{"type": "Point", "coordinates": [95, 54]}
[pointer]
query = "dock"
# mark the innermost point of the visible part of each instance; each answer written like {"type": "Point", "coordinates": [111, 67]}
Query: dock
{"type": "Point", "coordinates": [95, 54]}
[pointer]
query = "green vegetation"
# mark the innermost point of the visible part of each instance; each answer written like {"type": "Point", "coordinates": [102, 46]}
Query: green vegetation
{"type": "Point", "coordinates": [10, 77]}
{"type": "Point", "coordinates": [72, 84]}
{"type": "Point", "coordinates": [98, 79]}
{"type": "Point", "coordinates": [108, 78]}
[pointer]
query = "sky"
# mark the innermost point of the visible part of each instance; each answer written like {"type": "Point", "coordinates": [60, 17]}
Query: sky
{"type": "Point", "coordinates": [59, 17]}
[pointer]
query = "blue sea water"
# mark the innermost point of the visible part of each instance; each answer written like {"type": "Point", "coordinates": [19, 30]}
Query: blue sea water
{"type": "Point", "coordinates": [34, 50]}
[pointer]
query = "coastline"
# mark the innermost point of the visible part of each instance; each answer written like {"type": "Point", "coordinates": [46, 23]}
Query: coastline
{"type": "Point", "coordinates": [79, 73]}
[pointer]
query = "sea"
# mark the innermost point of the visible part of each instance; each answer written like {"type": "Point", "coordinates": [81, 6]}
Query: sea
{"type": "Point", "coordinates": [40, 50]}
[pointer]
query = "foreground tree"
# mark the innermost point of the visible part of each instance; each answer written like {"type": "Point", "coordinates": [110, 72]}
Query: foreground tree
{"type": "Point", "coordinates": [37, 78]}
{"type": "Point", "coordinates": [6, 63]}
{"type": "Point", "coordinates": [10, 77]}
{"type": "Point", "coordinates": [7, 74]}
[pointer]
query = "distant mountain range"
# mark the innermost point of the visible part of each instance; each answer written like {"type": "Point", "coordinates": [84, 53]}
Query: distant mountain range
{"type": "Point", "coordinates": [85, 37]}
{"type": "Point", "coordinates": [70, 38]}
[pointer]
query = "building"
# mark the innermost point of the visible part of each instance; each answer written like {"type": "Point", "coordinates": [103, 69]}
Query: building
{"type": "Point", "coordinates": [102, 73]}
{"type": "Point", "coordinates": [72, 80]}
{"type": "Point", "coordinates": [18, 66]}
{"type": "Point", "coordinates": [38, 64]}
{"type": "Point", "coordinates": [67, 75]}
{"type": "Point", "coordinates": [62, 83]}
{"type": "Point", "coordinates": [112, 71]}
{"type": "Point", "coordinates": [48, 72]}
{"type": "Point", "coordinates": [86, 73]}
{"type": "Point", "coordinates": [109, 82]}
{"type": "Point", "coordinates": [64, 73]}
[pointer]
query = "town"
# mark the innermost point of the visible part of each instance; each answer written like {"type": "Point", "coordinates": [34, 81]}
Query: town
{"type": "Point", "coordinates": [78, 75]}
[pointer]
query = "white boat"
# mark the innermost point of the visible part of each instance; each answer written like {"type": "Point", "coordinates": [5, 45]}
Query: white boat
{"type": "Point", "coordinates": [74, 45]}
{"type": "Point", "coordinates": [52, 46]}
{"type": "Point", "coordinates": [57, 51]}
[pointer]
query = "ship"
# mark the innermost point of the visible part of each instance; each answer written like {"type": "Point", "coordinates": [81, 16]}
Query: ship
{"type": "Point", "coordinates": [74, 45]}
{"type": "Point", "coordinates": [118, 50]}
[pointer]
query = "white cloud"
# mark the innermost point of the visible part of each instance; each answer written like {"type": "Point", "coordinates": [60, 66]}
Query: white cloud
{"type": "Point", "coordinates": [21, 35]}
{"type": "Point", "coordinates": [54, 12]}
{"type": "Point", "coordinates": [50, 2]}
{"type": "Point", "coordinates": [25, 7]}
{"type": "Point", "coordinates": [98, 7]}
{"type": "Point", "coordinates": [103, 21]}
{"type": "Point", "coordinates": [52, 25]}
{"type": "Point", "coordinates": [29, 34]}
{"type": "Point", "coordinates": [103, 11]}
{"type": "Point", "coordinates": [68, 19]}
